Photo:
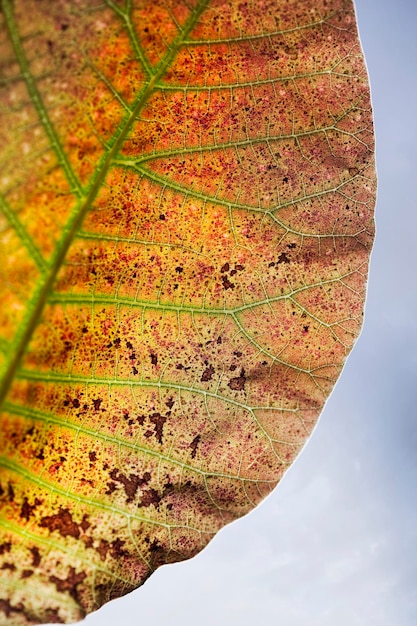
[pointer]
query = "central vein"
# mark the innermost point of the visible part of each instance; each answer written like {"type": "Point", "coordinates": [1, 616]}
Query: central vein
{"type": "Point", "coordinates": [74, 224]}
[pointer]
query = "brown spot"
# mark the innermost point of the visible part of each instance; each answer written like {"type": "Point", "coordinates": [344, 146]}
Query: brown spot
{"type": "Point", "coordinates": [157, 555]}
{"type": "Point", "coordinates": [36, 556]}
{"type": "Point", "coordinates": [52, 616]}
{"type": "Point", "coordinates": [102, 549]}
{"type": "Point", "coordinates": [227, 284]}
{"type": "Point", "coordinates": [111, 488]}
{"type": "Point", "coordinates": [76, 403]}
{"type": "Point", "coordinates": [5, 547]}
{"type": "Point", "coordinates": [283, 258]}
{"type": "Point", "coordinates": [158, 421]}
{"type": "Point", "coordinates": [10, 492]}
{"type": "Point", "coordinates": [194, 445]}
{"type": "Point", "coordinates": [130, 483]}
{"type": "Point", "coordinates": [154, 359]}
{"type": "Point", "coordinates": [238, 383]}
{"type": "Point", "coordinates": [9, 566]}
{"type": "Point", "coordinates": [27, 509]}
{"type": "Point", "coordinates": [92, 456]}
{"type": "Point", "coordinates": [87, 541]}
{"type": "Point", "coordinates": [150, 496]}
{"type": "Point", "coordinates": [5, 607]}
{"type": "Point", "coordinates": [225, 268]}
{"type": "Point", "coordinates": [85, 524]}
{"type": "Point", "coordinates": [170, 403]}
{"type": "Point", "coordinates": [62, 522]}
{"type": "Point", "coordinates": [207, 374]}
{"type": "Point", "coordinates": [70, 583]}
{"type": "Point", "coordinates": [27, 573]}
{"type": "Point", "coordinates": [97, 402]}
{"type": "Point", "coordinates": [116, 549]}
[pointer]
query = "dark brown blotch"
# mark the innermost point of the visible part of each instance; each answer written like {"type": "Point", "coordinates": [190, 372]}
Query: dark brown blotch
{"type": "Point", "coordinates": [150, 496]}
{"type": "Point", "coordinates": [70, 583]}
{"type": "Point", "coordinates": [207, 374]}
{"type": "Point", "coordinates": [5, 547]}
{"type": "Point", "coordinates": [194, 445]}
{"type": "Point", "coordinates": [227, 284]}
{"type": "Point", "coordinates": [130, 483]}
{"type": "Point", "coordinates": [283, 258]}
{"type": "Point", "coordinates": [62, 522]}
{"type": "Point", "coordinates": [27, 509]}
{"type": "Point", "coordinates": [158, 421]}
{"type": "Point", "coordinates": [238, 383]}
{"type": "Point", "coordinates": [36, 556]}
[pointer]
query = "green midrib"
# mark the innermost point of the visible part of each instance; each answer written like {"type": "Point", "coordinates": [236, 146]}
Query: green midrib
{"type": "Point", "coordinates": [48, 278]}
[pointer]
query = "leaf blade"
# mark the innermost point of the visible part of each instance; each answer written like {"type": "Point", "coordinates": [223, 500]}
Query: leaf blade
{"type": "Point", "coordinates": [204, 294]}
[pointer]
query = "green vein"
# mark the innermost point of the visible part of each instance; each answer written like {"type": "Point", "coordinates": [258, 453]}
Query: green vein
{"type": "Point", "coordinates": [233, 204]}
{"type": "Point", "coordinates": [94, 503]}
{"type": "Point", "coordinates": [189, 88]}
{"type": "Point", "coordinates": [179, 308]}
{"type": "Point", "coordinates": [23, 235]}
{"type": "Point", "coordinates": [15, 468]}
{"type": "Point", "coordinates": [52, 377]}
{"type": "Point", "coordinates": [39, 416]}
{"type": "Point", "coordinates": [83, 234]}
{"type": "Point", "coordinates": [242, 143]}
{"type": "Point", "coordinates": [108, 84]}
{"type": "Point", "coordinates": [59, 547]}
{"type": "Point", "coordinates": [277, 33]}
{"type": "Point", "coordinates": [36, 98]}
{"type": "Point", "coordinates": [137, 48]}
{"type": "Point", "coordinates": [266, 352]}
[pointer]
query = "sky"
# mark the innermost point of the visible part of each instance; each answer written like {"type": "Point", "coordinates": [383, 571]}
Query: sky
{"type": "Point", "coordinates": [336, 542]}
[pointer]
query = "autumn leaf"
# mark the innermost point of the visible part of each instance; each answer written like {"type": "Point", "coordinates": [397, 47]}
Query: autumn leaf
{"type": "Point", "coordinates": [186, 219]}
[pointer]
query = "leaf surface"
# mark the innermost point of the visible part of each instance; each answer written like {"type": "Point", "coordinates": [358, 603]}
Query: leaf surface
{"type": "Point", "coordinates": [186, 219]}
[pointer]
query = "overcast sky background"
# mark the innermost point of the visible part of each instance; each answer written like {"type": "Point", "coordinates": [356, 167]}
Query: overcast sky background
{"type": "Point", "coordinates": [336, 543]}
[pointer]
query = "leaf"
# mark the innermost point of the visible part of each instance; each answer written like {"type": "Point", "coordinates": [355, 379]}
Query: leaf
{"type": "Point", "coordinates": [186, 220]}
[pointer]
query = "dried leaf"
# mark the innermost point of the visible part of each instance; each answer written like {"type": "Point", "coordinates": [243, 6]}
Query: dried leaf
{"type": "Point", "coordinates": [186, 219]}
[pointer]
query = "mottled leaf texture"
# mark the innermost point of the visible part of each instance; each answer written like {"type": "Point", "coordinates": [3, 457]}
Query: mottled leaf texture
{"type": "Point", "coordinates": [186, 205]}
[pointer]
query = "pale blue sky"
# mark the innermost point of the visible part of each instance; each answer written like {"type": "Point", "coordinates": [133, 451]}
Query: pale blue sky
{"type": "Point", "coordinates": [336, 543]}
